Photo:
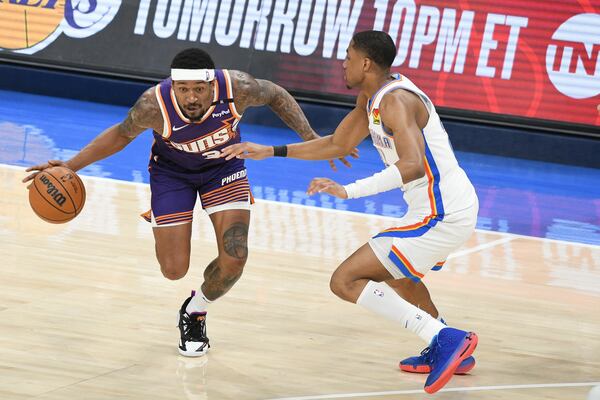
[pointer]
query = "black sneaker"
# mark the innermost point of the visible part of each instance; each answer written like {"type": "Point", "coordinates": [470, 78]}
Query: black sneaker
{"type": "Point", "coordinates": [192, 329]}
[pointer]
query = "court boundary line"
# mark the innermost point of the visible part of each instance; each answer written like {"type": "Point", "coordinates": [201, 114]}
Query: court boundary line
{"type": "Point", "coordinates": [480, 247]}
{"type": "Point", "coordinates": [515, 235]}
{"type": "Point", "coordinates": [457, 389]}
{"type": "Point", "coordinates": [507, 237]}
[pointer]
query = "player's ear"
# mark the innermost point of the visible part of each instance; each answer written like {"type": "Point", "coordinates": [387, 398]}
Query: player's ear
{"type": "Point", "coordinates": [367, 63]}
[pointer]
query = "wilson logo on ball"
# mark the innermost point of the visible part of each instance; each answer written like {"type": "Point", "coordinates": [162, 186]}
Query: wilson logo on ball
{"type": "Point", "coordinates": [53, 191]}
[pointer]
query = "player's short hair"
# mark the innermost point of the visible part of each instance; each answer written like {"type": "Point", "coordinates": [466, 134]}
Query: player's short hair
{"type": "Point", "coordinates": [377, 45]}
{"type": "Point", "coordinates": [192, 58]}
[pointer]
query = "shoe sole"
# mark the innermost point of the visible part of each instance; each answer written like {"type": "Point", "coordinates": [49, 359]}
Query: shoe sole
{"type": "Point", "coordinates": [192, 353]}
{"type": "Point", "coordinates": [426, 369]}
{"type": "Point", "coordinates": [466, 348]}
{"type": "Point", "coordinates": [464, 370]}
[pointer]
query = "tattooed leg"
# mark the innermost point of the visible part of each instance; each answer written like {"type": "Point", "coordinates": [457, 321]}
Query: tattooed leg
{"type": "Point", "coordinates": [221, 274]}
{"type": "Point", "coordinates": [218, 280]}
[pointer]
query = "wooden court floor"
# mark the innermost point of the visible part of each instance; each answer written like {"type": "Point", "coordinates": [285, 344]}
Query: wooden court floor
{"type": "Point", "coordinates": [86, 314]}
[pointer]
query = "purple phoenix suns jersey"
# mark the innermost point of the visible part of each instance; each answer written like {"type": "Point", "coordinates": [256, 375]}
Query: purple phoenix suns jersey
{"type": "Point", "coordinates": [196, 145]}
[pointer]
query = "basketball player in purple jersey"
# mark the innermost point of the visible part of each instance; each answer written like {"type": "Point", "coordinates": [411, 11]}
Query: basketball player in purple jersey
{"type": "Point", "coordinates": [194, 114]}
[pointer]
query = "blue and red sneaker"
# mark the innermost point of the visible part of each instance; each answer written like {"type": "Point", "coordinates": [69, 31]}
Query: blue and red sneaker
{"type": "Point", "coordinates": [448, 350]}
{"type": "Point", "coordinates": [422, 364]}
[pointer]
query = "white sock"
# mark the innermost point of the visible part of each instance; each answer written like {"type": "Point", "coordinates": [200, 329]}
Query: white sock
{"type": "Point", "coordinates": [198, 303]}
{"type": "Point", "coordinates": [383, 300]}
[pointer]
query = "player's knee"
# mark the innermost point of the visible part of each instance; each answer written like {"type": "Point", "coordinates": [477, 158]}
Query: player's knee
{"type": "Point", "coordinates": [173, 272]}
{"type": "Point", "coordinates": [172, 266]}
{"type": "Point", "coordinates": [339, 286]}
{"type": "Point", "coordinates": [173, 269]}
{"type": "Point", "coordinates": [232, 266]}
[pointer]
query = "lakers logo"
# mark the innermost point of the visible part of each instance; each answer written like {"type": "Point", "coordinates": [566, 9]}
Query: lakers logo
{"type": "Point", "coordinates": [24, 23]}
{"type": "Point", "coordinates": [27, 26]}
{"type": "Point", "coordinates": [376, 119]}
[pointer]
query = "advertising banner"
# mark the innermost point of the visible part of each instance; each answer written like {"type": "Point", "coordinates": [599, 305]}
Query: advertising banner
{"type": "Point", "coordinates": [538, 60]}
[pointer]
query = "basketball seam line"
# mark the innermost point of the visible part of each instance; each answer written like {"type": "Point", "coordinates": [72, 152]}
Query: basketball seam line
{"type": "Point", "coordinates": [83, 193]}
{"type": "Point", "coordinates": [66, 192]}
{"type": "Point", "coordinates": [38, 214]}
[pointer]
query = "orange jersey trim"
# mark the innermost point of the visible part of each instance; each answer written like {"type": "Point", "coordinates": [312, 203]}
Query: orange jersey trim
{"type": "Point", "coordinates": [229, 186]}
{"type": "Point", "coordinates": [432, 205]}
{"type": "Point", "coordinates": [229, 86]}
{"type": "Point", "coordinates": [406, 263]}
{"type": "Point", "coordinates": [174, 215]}
{"type": "Point", "coordinates": [164, 112]}
{"type": "Point", "coordinates": [237, 192]}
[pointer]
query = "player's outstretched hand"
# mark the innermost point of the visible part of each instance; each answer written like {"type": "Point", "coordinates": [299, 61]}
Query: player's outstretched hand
{"type": "Point", "coordinates": [40, 167]}
{"type": "Point", "coordinates": [353, 154]}
{"type": "Point", "coordinates": [326, 185]}
{"type": "Point", "coordinates": [245, 150]}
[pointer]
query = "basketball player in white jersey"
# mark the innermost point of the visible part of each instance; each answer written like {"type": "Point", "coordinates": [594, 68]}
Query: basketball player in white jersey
{"type": "Point", "coordinates": [385, 274]}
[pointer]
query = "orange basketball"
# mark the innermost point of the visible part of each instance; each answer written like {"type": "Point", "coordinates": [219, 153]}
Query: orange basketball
{"type": "Point", "coordinates": [57, 195]}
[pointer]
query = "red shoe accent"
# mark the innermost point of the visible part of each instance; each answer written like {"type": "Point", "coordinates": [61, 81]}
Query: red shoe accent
{"type": "Point", "coordinates": [416, 369]}
{"type": "Point", "coordinates": [425, 369]}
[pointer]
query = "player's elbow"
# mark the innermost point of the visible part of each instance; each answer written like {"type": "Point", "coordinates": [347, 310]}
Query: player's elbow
{"type": "Point", "coordinates": [123, 135]}
{"type": "Point", "coordinates": [418, 172]}
{"type": "Point", "coordinates": [412, 171]}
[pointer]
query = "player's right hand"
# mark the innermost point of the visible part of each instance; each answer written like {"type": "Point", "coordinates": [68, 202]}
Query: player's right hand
{"type": "Point", "coordinates": [246, 150]}
{"type": "Point", "coordinates": [40, 167]}
{"type": "Point", "coordinates": [326, 185]}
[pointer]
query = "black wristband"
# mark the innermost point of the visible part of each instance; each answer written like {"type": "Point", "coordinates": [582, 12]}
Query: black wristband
{"type": "Point", "coordinates": [280, 151]}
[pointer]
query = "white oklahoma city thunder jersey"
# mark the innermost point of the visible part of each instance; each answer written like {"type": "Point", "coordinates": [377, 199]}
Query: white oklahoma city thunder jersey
{"type": "Point", "coordinates": [445, 187]}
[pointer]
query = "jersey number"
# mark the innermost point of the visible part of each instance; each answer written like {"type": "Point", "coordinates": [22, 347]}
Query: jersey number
{"type": "Point", "coordinates": [212, 154]}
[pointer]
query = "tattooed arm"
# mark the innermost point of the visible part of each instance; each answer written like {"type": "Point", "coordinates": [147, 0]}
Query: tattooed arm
{"type": "Point", "coordinates": [250, 92]}
{"type": "Point", "coordinates": [349, 133]}
{"type": "Point", "coordinates": [143, 115]}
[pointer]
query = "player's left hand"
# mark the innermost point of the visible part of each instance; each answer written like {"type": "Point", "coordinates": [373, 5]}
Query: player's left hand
{"type": "Point", "coordinates": [40, 167]}
{"type": "Point", "coordinates": [353, 154]}
{"type": "Point", "coordinates": [326, 185]}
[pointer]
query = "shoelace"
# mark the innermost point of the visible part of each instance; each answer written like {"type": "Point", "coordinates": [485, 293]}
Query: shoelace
{"type": "Point", "coordinates": [426, 355]}
{"type": "Point", "coordinates": [194, 329]}
{"type": "Point", "coordinates": [436, 348]}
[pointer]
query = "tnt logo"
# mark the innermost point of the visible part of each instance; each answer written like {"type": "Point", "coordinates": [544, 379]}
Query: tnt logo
{"type": "Point", "coordinates": [27, 26]}
{"type": "Point", "coordinates": [572, 58]}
